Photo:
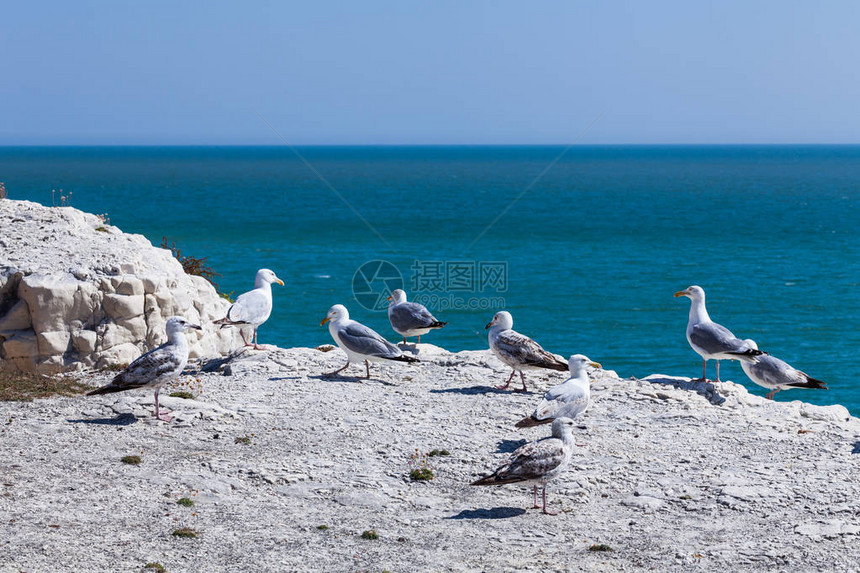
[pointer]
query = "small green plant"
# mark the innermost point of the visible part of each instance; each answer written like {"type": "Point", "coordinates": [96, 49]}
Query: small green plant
{"type": "Point", "coordinates": [228, 296]}
{"type": "Point", "coordinates": [243, 440]}
{"type": "Point", "coordinates": [600, 547]}
{"type": "Point", "coordinates": [370, 534]}
{"type": "Point", "coordinates": [186, 532]}
{"type": "Point", "coordinates": [192, 265]}
{"type": "Point", "coordinates": [131, 460]}
{"type": "Point", "coordinates": [420, 467]}
{"type": "Point", "coordinates": [434, 453]}
{"type": "Point", "coordinates": [322, 527]}
{"type": "Point", "coordinates": [185, 502]}
{"type": "Point", "coordinates": [101, 229]}
{"type": "Point", "coordinates": [182, 394]}
{"type": "Point", "coordinates": [155, 567]}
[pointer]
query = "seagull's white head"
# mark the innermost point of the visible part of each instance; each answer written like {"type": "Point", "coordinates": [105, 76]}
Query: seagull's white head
{"type": "Point", "coordinates": [176, 324]}
{"type": "Point", "coordinates": [397, 296]}
{"type": "Point", "coordinates": [692, 292]}
{"type": "Point", "coordinates": [502, 319]}
{"type": "Point", "coordinates": [335, 313]}
{"type": "Point", "coordinates": [562, 426]}
{"type": "Point", "coordinates": [266, 276]}
{"type": "Point", "coordinates": [578, 362]}
{"type": "Point", "coordinates": [751, 343]}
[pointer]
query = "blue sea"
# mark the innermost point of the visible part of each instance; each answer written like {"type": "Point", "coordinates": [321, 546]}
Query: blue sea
{"type": "Point", "coordinates": [584, 246]}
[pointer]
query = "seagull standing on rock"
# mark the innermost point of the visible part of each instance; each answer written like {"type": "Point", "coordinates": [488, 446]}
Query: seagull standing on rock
{"type": "Point", "coordinates": [537, 462]}
{"type": "Point", "coordinates": [156, 367]}
{"type": "Point", "coordinates": [518, 350]}
{"type": "Point", "coordinates": [712, 340]}
{"type": "Point", "coordinates": [775, 374]}
{"type": "Point", "coordinates": [567, 400]}
{"type": "Point", "coordinates": [410, 318]}
{"type": "Point", "coordinates": [252, 307]}
{"type": "Point", "coordinates": [360, 342]}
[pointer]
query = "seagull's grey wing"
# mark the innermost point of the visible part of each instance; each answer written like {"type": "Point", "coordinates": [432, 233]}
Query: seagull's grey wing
{"type": "Point", "coordinates": [534, 460]}
{"type": "Point", "coordinates": [156, 364]}
{"type": "Point", "coordinates": [410, 316]}
{"type": "Point", "coordinates": [252, 307]}
{"type": "Point", "coordinates": [775, 372]}
{"type": "Point", "coordinates": [524, 350]}
{"type": "Point", "coordinates": [568, 400]}
{"type": "Point", "coordinates": [363, 340]}
{"type": "Point", "coordinates": [714, 338]}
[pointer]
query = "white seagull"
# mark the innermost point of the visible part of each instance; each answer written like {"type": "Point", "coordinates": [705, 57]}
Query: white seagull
{"type": "Point", "coordinates": [537, 462]}
{"type": "Point", "coordinates": [712, 340]}
{"type": "Point", "coordinates": [252, 307]}
{"type": "Point", "coordinates": [567, 400]}
{"type": "Point", "coordinates": [410, 318]}
{"type": "Point", "coordinates": [776, 375]}
{"type": "Point", "coordinates": [156, 367]}
{"type": "Point", "coordinates": [518, 350]}
{"type": "Point", "coordinates": [360, 342]}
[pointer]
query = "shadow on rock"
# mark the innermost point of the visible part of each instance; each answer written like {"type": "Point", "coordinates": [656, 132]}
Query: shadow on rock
{"type": "Point", "coordinates": [471, 390]}
{"type": "Point", "coordinates": [856, 448]}
{"type": "Point", "coordinates": [706, 389]}
{"type": "Point", "coordinates": [495, 513]}
{"type": "Point", "coordinates": [122, 420]}
{"type": "Point", "coordinates": [509, 446]}
{"type": "Point", "coordinates": [352, 379]}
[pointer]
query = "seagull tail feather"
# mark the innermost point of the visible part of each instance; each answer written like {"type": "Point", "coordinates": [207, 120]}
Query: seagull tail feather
{"type": "Point", "coordinates": [531, 421]}
{"type": "Point", "coordinates": [811, 383]}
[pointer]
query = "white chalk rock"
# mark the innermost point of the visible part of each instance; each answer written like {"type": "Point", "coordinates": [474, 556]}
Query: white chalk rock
{"type": "Point", "coordinates": [75, 296]}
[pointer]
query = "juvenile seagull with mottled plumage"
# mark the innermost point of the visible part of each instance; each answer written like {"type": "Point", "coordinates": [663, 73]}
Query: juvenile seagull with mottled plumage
{"type": "Point", "coordinates": [711, 340]}
{"type": "Point", "coordinates": [774, 374]}
{"type": "Point", "coordinates": [537, 462]}
{"type": "Point", "coordinates": [410, 318]}
{"type": "Point", "coordinates": [253, 307]}
{"type": "Point", "coordinates": [567, 400]}
{"type": "Point", "coordinates": [518, 350]}
{"type": "Point", "coordinates": [359, 342]}
{"type": "Point", "coordinates": [156, 367]}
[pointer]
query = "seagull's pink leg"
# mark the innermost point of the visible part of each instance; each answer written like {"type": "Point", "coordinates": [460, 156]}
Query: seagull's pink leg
{"type": "Point", "coordinates": [508, 383]}
{"type": "Point", "coordinates": [339, 370]}
{"type": "Point", "coordinates": [419, 339]}
{"type": "Point", "coordinates": [242, 334]}
{"type": "Point", "coordinates": [534, 495]}
{"type": "Point", "coordinates": [718, 371]}
{"type": "Point", "coordinates": [158, 413]}
{"type": "Point", "coordinates": [772, 393]}
{"type": "Point", "coordinates": [523, 378]}
{"type": "Point", "coordinates": [367, 365]}
{"type": "Point", "coordinates": [704, 365]}
{"type": "Point", "coordinates": [545, 510]}
{"type": "Point", "coordinates": [255, 342]}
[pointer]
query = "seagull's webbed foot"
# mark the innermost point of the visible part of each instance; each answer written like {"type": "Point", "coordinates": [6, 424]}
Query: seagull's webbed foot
{"type": "Point", "coordinates": [163, 416]}
{"type": "Point", "coordinates": [508, 383]}
{"type": "Point", "coordinates": [336, 372]}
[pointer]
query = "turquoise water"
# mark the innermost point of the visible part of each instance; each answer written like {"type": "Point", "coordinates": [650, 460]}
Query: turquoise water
{"type": "Point", "coordinates": [586, 260]}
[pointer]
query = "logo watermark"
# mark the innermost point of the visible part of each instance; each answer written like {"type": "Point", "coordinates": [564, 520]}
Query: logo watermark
{"type": "Point", "coordinates": [437, 284]}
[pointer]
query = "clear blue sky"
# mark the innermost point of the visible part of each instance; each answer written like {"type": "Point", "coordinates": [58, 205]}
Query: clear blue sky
{"type": "Point", "coordinates": [371, 72]}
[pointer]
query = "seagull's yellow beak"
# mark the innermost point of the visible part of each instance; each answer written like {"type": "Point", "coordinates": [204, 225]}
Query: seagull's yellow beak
{"type": "Point", "coordinates": [279, 281]}
{"type": "Point", "coordinates": [325, 320]}
{"type": "Point", "coordinates": [596, 364]}
{"type": "Point", "coordinates": [680, 293]}
{"type": "Point", "coordinates": [389, 298]}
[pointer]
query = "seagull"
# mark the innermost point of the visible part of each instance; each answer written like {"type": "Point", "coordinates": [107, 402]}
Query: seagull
{"type": "Point", "coordinates": [360, 342]}
{"type": "Point", "coordinates": [712, 340]}
{"type": "Point", "coordinates": [410, 318]}
{"type": "Point", "coordinates": [156, 367]}
{"type": "Point", "coordinates": [252, 307]}
{"type": "Point", "coordinates": [777, 375]}
{"type": "Point", "coordinates": [568, 400]}
{"type": "Point", "coordinates": [518, 350]}
{"type": "Point", "coordinates": [537, 462]}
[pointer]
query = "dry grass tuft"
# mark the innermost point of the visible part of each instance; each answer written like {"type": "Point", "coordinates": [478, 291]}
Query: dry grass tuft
{"type": "Point", "coordinates": [26, 386]}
